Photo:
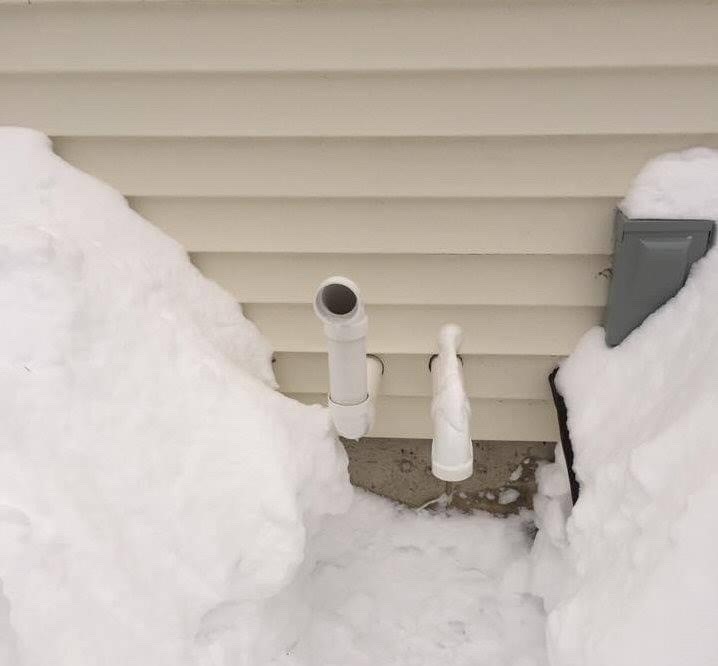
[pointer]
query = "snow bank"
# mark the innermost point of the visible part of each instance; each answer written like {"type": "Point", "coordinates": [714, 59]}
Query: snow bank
{"type": "Point", "coordinates": [631, 578]}
{"type": "Point", "coordinates": [155, 491]}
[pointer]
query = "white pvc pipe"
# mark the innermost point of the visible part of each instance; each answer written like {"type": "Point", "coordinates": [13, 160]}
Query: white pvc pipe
{"type": "Point", "coordinates": [353, 377]}
{"type": "Point", "coordinates": [452, 452]}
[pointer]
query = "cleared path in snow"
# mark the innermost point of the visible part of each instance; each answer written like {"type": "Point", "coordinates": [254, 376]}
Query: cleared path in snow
{"type": "Point", "coordinates": [393, 586]}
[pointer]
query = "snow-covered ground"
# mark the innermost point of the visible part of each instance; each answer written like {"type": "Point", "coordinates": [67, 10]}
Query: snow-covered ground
{"type": "Point", "coordinates": [398, 587]}
{"type": "Point", "coordinates": [161, 503]}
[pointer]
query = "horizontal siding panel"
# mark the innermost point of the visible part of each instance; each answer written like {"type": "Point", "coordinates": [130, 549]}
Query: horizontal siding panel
{"type": "Point", "coordinates": [511, 420]}
{"type": "Point", "coordinates": [486, 377]}
{"type": "Point", "coordinates": [354, 36]}
{"type": "Point", "coordinates": [491, 330]}
{"type": "Point", "coordinates": [458, 159]}
{"type": "Point", "coordinates": [378, 104]}
{"type": "Point", "coordinates": [414, 280]}
{"type": "Point", "coordinates": [426, 167]}
{"type": "Point", "coordinates": [385, 226]}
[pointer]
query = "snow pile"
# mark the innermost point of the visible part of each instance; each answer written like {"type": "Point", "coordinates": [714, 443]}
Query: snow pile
{"type": "Point", "coordinates": [159, 500]}
{"type": "Point", "coordinates": [632, 577]}
{"type": "Point", "coordinates": [452, 452]}
{"type": "Point", "coordinates": [393, 587]}
{"type": "Point", "coordinates": [155, 491]}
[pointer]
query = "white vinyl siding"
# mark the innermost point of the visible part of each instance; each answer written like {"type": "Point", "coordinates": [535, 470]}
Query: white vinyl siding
{"type": "Point", "coordinates": [459, 160]}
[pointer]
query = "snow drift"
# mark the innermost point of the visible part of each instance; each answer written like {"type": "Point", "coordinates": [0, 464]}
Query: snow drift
{"type": "Point", "coordinates": [157, 494]}
{"type": "Point", "coordinates": [631, 578]}
{"type": "Point", "coordinates": [155, 491]}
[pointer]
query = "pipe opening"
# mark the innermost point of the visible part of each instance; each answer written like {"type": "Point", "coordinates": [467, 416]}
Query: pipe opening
{"type": "Point", "coordinates": [338, 299]}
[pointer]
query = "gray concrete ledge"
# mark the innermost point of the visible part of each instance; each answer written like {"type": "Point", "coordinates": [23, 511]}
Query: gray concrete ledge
{"type": "Point", "coordinates": [401, 470]}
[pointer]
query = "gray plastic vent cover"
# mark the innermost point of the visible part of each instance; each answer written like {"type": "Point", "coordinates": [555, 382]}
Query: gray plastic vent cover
{"type": "Point", "coordinates": [651, 262]}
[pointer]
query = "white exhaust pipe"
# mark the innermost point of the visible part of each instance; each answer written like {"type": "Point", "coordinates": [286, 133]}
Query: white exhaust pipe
{"type": "Point", "coordinates": [452, 453]}
{"type": "Point", "coordinates": [353, 376]}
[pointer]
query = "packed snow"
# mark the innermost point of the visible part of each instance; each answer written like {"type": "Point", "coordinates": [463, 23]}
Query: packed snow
{"type": "Point", "coordinates": [631, 577]}
{"type": "Point", "coordinates": [152, 481]}
{"type": "Point", "coordinates": [161, 503]}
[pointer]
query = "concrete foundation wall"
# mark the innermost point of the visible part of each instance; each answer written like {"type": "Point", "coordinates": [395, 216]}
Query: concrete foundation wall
{"type": "Point", "coordinates": [401, 470]}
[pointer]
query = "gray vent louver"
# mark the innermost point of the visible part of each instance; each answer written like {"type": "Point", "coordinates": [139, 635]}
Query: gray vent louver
{"type": "Point", "coordinates": [651, 262]}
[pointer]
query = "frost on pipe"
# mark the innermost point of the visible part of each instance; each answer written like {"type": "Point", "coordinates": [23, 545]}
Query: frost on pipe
{"type": "Point", "coordinates": [353, 378]}
{"type": "Point", "coordinates": [452, 453]}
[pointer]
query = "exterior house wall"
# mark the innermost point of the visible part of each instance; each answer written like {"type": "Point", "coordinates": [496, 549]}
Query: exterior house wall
{"type": "Point", "coordinates": [460, 161]}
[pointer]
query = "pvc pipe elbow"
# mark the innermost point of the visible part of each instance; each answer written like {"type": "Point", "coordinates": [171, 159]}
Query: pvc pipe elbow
{"type": "Point", "coordinates": [353, 377]}
{"type": "Point", "coordinates": [339, 306]}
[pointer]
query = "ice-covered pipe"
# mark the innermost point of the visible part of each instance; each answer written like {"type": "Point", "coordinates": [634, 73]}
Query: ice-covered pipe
{"type": "Point", "coordinates": [452, 453]}
{"type": "Point", "coordinates": [353, 376]}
